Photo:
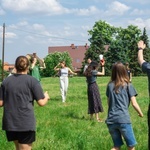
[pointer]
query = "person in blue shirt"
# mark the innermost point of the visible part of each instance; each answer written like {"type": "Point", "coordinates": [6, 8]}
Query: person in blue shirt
{"type": "Point", "coordinates": [119, 93]}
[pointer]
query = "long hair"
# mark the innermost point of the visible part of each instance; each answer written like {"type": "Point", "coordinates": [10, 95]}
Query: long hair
{"type": "Point", "coordinates": [93, 65]}
{"type": "Point", "coordinates": [119, 76]}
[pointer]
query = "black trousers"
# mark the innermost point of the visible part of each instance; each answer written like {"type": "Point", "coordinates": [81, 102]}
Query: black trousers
{"type": "Point", "coordinates": [148, 119]}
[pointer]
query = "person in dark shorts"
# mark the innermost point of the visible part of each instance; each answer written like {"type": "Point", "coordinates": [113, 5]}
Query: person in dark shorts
{"type": "Point", "coordinates": [94, 99]}
{"type": "Point", "coordinates": [119, 93]}
{"type": "Point", "coordinates": [17, 95]}
{"type": "Point", "coordinates": [146, 69]}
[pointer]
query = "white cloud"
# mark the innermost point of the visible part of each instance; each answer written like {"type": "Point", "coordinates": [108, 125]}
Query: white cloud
{"type": "Point", "coordinates": [38, 27]}
{"type": "Point", "coordinates": [137, 12]}
{"type": "Point", "coordinates": [117, 8]}
{"type": "Point", "coordinates": [34, 6]}
{"type": "Point", "coordinates": [141, 23]}
{"type": "Point", "coordinates": [86, 12]}
{"type": "Point", "coordinates": [10, 35]}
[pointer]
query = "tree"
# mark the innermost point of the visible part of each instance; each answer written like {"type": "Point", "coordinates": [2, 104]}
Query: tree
{"type": "Point", "coordinates": [122, 45]}
{"type": "Point", "coordinates": [101, 35]}
{"type": "Point", "coordinates": [146, 52]}
{"type": "Point", "coordinates": [52, 60]}
{"type": "Point", "coordinates": [144, 37]}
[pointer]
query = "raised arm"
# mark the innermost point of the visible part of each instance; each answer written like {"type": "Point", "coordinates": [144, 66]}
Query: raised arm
{"type": "Point", "coordinates": [56, 68]}
{"type": "Point", "coordinates": [103, 68]}
{"type": "Point", "coordinates": [141, 47]}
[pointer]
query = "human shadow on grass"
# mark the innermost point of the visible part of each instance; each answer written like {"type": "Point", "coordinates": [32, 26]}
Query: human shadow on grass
{"type": "Point", "coordinates": [75, 116]}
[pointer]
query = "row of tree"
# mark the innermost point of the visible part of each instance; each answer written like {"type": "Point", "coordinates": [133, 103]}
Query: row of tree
{"type": "Point", "coordinates": [122, 43]}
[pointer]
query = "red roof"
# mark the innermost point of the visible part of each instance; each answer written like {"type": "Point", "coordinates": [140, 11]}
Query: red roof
{"type": "Point", "coordinates": [77, 53]}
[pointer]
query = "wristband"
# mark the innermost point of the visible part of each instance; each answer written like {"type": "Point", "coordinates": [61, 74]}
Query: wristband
{"type": "Point", "coordinates": [103, 66]}
{"type": "Point", "coordinates": [140, 48]}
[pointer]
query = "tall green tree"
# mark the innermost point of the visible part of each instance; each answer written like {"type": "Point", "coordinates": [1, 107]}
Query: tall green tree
{"type": "Point", "coordinates": [129, 37]}
{"type": "Point", "coordinates": [52, 60]}
{"type": "Point", "coordinates": [101, 35]}
{"type": "Point", "coordinates": [144, 37]}
{"type": "Point", "coordinates": [122, 45]}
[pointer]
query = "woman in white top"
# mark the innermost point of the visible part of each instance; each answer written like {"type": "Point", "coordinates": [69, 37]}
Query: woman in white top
{"type": "Point", "coordinates": [63, 75]}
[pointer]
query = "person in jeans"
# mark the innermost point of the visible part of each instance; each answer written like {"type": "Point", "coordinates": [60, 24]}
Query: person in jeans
{"type": "Point", "coordinates": [120, 93]}
{"type": "Point", "coordinates": [17, 95]}
{"type": "Point", "coordinates": [145, 68]}
{"type": "Point", "coordinates": [63, 75]}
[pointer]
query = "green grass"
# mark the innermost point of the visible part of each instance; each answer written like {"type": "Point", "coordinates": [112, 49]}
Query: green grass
{"type": "Point", "coordinates": [68, 127]}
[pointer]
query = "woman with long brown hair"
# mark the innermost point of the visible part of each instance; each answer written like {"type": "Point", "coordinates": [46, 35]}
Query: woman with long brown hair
{"type": "Point", "coordinates": [119, 93]}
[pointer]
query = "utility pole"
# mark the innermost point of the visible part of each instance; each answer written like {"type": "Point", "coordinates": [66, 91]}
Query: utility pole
{"type": "Point", "coordinates": [3, 45]}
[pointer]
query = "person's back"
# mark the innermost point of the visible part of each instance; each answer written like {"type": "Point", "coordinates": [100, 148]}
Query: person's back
{"type": "Point", "coordinates": [22, 94]}
{"type": "Point", "coordinates": [119, 93]}
{"type": "Point", "coordinates": [17, 93]}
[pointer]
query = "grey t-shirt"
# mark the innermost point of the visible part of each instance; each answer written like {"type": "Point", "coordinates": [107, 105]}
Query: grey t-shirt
{"type": "Point", "coordinates": [18, 92]}
{"type": "Point", "coordinates": [92, 78]}
{"type": "Point", "coordinates": [118, 103]}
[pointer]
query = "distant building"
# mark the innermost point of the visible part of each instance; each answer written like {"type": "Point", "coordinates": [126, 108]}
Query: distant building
{"type": "Point", "coordinates": [8, 67]}
{"type": "Point", "coordinates": [77, 53]}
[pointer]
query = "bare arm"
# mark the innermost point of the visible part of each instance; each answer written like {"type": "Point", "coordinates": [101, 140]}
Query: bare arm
{"type": "Point", "coordinates": [72, 71]}
{"type": "Point", "coordinates": [103, 71]}
{"type": "Point", "coordinates": [136, 106]}
{"type": "Point", "coordinates": [141, 47]}
{"type": "Point", "coordinates": [43, 101]}
{"type": "Point", "coordinates": [1, 103]}
{"type": "Point", "coordinates": [103, 68]}
{"type": "Point", "coordinates": [56, 68]}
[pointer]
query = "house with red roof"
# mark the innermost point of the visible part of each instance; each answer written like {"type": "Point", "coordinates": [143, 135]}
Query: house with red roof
{"type": "Point", "coordinates": [75, 52]}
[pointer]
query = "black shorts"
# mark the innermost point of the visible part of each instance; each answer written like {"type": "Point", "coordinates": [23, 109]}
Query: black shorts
{"type": "Point", "coordinates": [23, 137]}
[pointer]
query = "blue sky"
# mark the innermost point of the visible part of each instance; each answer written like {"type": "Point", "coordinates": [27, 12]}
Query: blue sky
{"type": "Point", "coordinates": [34, 25]}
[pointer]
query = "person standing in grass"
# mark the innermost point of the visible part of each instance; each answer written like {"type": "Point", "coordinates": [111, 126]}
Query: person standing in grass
{"type": "Point", "coordinates": [34, 68]}
{"type": "Point", "coordinates": [94, 99]}
{"type": "Point", "coordinates": [145, 68]}
{"type": "Point", "coordinates": [119, 93]}
{"type": "Point", "coordinates": [63, 75]}
{"type": "Point", "coordinates": [17, 95]}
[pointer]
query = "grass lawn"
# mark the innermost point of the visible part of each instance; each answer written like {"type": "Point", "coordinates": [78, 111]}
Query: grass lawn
{"type": "Point", "coordinates": [66, 126]}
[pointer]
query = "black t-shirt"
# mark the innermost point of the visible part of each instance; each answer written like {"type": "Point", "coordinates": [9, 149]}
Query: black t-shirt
{"type": "Point", "coordinates": [18, 92]}
{"type": "Point", "coordinates": [146, 69]}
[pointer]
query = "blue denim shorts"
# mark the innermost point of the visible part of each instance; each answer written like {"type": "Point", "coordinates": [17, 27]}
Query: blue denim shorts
{"type": "Point", "coordinates": [118, 131]}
